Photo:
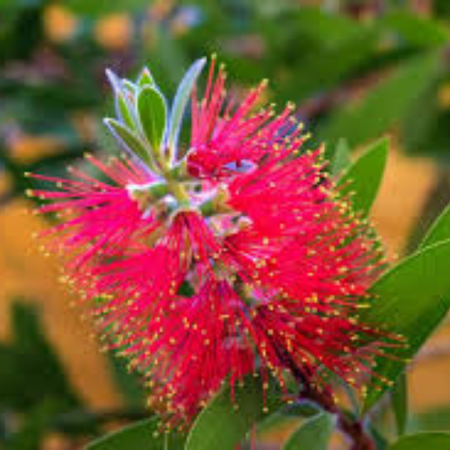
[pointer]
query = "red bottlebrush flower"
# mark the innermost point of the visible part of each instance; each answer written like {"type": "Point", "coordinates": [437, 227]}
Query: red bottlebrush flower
{"type": "Point", "coordinates": [225, 142]}
{"type": "Point", "coordinates": [249, 261]}
{"type": "Point", "coordinates": [100, 218]}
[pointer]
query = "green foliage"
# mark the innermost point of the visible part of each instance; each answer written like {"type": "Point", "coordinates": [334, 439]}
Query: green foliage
{"type": "Point", "coordinates": [410, 300]}
{"type": "Point", "coordinates": [101, 7]}
{"type": "Point", "coordinates": [141, 435]}
{"type": "Point", "coordinates": [313, 434]}
{"type": "Point", "coordinates": [287, 415]}
{"type": "Point", "coordinates": [439, 231]}
{"type": "Point", "coordinates": [400, 403]}
{"type": "Point", "coordinates": [129, 384]}
{"type": "Point", "coordinates": [341, 159]}
{"type": "Point", "coordinates": [152, 110]}
{"type": "Point", "coordinates": [33, 382]}
{"type": "Point", "coordinates": [334, 63]}
{"type": "Point", "coordinates": [30, 370]}
{"type": "Point", "coordinates": [33, 428]}
{"type": "Point", "coordinates": [130, 141]}
{"type": "Point", "coordinates": [16, 22]}
{"type": "Point", "coordinates": [420, 31]}
{"type": "Point", "coordinates": [324, 27]}
{"type": "Point", "coordinates": [381, 443]}
{"type": "Point", "coordinates": [146, 78]}
{"type": "Point", "coordinates": [362, 179]}
{"type": "Point", "coordinates": [423, 441]}
{"type": "Point", "coordinates": [224, 425]}
{"type": "Point", "coordinates": [124, 110]}
{"type": "Point", "coordinates": [180, 102]}
{"type": "Point", "coordinates": [437, 419]}
{"type": "Point", "coordinates": [385, 104]}
{"type": "Point", "coordinates": [441, 8]}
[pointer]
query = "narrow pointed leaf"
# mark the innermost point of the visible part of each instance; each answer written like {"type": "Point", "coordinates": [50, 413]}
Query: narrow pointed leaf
{"type": "Point", "coordinates": [129, 141]}
{"type": "Point", "coordinates": [362, 179]}
{"type": "Point", "coordinates": [142, 435]}
{"type": "Point", "coordinates": [287, 414]}
{"type": "Point", "coordinates": [222, 424]}
{"type": "Point", "coordinates": [400, 403]}
{"type": "Point", "coordinates": [385, 105]}
{"type": "Point", "coordinates": [341, 158]}
{"type": "Point", "coordinates": [423, 441]}
{"type": "Point", "coordinates": [180, 102]}
{"type": "Point", "coordinates": [439, 231]}
{"type": "Point", "coordinates": [313, 434]}
{"type": "Point", "coordinates": [411, 300]}
{"type": "Point", "coordinates": [416, 29]}
{"type": "Point", "coordinates": [123, 107]}
{"type": "Point", "coordinates": [129, 88]}
{"type": "Point", "coordinates": [114, 80]}
{"type": "Point", "coordinates": [152, 115]}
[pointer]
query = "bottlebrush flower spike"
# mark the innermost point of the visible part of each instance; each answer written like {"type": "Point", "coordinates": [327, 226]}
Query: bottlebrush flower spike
{"type": "Point", "coordinates": [239, 257]}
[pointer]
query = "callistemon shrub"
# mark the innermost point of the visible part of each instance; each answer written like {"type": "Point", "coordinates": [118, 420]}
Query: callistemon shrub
{"type": "Point", "coordinates": [232, 255]}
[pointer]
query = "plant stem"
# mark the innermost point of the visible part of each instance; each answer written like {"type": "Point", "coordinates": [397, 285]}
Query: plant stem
{"type": "Point", "coordinates": [175, 187]}
{"type": "Point", "coordinates": [355, 431]}
{"type": "Point", "coordinates": [350, 426]}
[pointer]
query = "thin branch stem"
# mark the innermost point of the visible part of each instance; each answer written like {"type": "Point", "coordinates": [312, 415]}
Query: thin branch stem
{"type": "Point", "coordinates": [349, 425]}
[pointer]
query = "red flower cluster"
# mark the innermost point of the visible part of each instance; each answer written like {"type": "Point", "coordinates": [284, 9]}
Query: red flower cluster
{"type": "Point", "coordinates": [263, 269]}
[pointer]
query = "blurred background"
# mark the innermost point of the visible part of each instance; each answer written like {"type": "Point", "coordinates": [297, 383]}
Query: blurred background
{"type": "Point", "coordinates": [355, 69]}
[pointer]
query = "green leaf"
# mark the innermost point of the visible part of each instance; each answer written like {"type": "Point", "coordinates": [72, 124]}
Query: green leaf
{"type": "Point", "coordinates": [417, 30]}
{"type": "Point", "coordinates": [124, 110]}
{"type": "Point", "coordinates": [431, 420]}
{"type": "Point", "coordinates": [123, 107]}
{"type": "Point", "coordinates": [439, 231]}
{"type": "Point", "coordinates": [146, 78]}
{"type": "Point", "coordinates": [333, 63]}
{"type": "Point", "coordinates": [381, 443]}
{"type": "Point", "coordinates": [422, 129]}
{"type": "Point", "coordinates": [143, 435]}
{"type": "Point", "coordinates": [384, 105]}
{"type": "Point", "coordinates": [129, 141]}
{"type": "Point", "coordinates": [30, 352]}
{"type": "Point", "coordinates": [423, 441]}
{"type": "Point", "coordinates": [441, 8]}
{"type": "Point", "coordinates": [152, 111]}
{"type": "Point", "coordinates": [286, 415]}
{"type": "Point", "coordinates": [313, 434]}
{"type": "Point", "coordinates": [180, 102]}
{"type": "Point", "coordinates": [224, 425]}
{"type": "Point", "coordinates": [128, 383]}
{"type": "Point", "coordinates": [33, 427]}
{"type": "Point", "coordinates": [400, 403]}
{"type": "Point", "coordinates": [102, 7]}
{"type": "Point", "coordinates": [410, 300]}
{"type": "Point", "coordinates": [341, 158]}
{"type": "Point", "coordinates": [328, 28]}
{"type": "Point", "coordinates": [362, 179]}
